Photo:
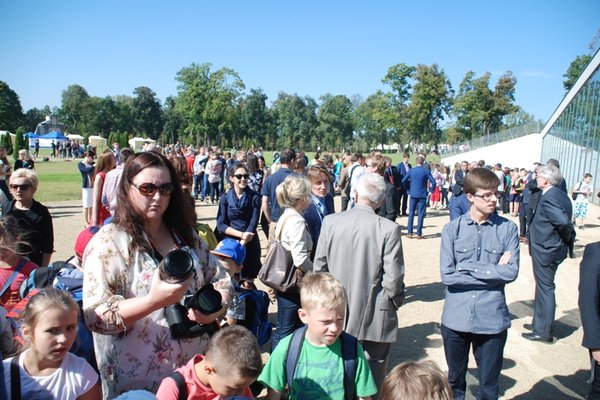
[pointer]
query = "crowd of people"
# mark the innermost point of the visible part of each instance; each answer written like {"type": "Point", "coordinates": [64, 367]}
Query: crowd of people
{"type": "Point", "coordinates": [166, 311]}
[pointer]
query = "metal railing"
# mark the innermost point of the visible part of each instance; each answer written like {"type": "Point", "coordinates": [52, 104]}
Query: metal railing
{"type": "Point", "coordinates": [494, 138]}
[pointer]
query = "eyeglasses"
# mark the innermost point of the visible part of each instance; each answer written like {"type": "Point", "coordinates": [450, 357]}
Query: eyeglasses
{"type": "Point", "coordinates": [240, 176]}
{"type": "Point", "coordinates": [148, 189]}
{"type": "Point", "coordinates": [487, 196]}
{"type": "Point", "coordinates": [25, 186]}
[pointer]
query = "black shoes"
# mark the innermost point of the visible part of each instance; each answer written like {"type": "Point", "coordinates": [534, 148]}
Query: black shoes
{"type": "Point", "coordinates": [536, 338]}
{"type": "Point", "coordinates": [529, 327]}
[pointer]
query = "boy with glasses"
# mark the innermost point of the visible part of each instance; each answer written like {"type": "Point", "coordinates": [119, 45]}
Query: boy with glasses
{"type": "Point", "coordinates": [479, 256]}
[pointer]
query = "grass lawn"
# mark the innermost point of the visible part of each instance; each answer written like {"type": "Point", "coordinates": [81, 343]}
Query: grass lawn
{"type": "Point", "coordinates": [60, 178]}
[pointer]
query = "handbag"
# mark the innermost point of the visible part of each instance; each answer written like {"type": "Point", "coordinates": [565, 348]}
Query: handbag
{"type": "Point", "coordinates": [278, 271]}
{"type": "Point", "coordinates": [573, 194]}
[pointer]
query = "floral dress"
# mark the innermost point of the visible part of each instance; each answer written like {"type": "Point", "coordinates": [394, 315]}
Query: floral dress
{"type": "Point", "coordinates": [140, 356]}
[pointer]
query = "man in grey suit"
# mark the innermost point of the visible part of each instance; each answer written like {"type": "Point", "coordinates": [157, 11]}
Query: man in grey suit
{"type": "Point", "coordinates": [551, 234]}
{"type": "Point", "coordinates": [364, 251]}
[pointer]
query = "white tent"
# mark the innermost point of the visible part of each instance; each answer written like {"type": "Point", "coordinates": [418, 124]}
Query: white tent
{"type": "Point", "coordinates": [74, 136]}
{"type": "Point", "coordinates": [137, 143]}
{"type": "Point", "coordinates": [98, 142]}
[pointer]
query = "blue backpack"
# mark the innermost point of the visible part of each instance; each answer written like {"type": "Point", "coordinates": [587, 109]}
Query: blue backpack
{"type": "Point", "coordinates": [257, 313]}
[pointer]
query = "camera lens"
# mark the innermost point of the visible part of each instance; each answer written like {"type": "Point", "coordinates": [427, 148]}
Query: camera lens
{"type": "Point", "coordinates": [206, 300]}
{"type": "Point", "coordinates": [176, 267]}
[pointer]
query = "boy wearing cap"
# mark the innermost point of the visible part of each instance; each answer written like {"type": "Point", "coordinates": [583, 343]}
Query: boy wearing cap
{"type": "Point", "coordinates": [231, 254]}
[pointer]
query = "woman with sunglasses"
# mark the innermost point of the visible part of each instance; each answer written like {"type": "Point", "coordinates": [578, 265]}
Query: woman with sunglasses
{"type": "Point", "coordinates": [237, 217]}
{"type": "Point", "coordinates": [33, 218]}
{"type": "Point", "coordinates": [124, 297]}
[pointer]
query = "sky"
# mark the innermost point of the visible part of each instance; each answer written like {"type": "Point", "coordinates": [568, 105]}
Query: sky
{"type": "Point", "coordinates": [309, 48]}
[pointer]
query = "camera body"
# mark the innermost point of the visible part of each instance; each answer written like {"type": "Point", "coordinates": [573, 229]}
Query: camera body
{"type": "Point", "coordinates": [177, 266]}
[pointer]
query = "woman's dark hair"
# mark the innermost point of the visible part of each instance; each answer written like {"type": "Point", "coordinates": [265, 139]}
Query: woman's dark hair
{"type": "Point", "coordinates": [234, 166]}
{"type": "Point", "coordinates": [179, 215]}
{"type": "Point", "coordinates": [251, 163]}
{"type": "Point", "coordinates": [180, 165]}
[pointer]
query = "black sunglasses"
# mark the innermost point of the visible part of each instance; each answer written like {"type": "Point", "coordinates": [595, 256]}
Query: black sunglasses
{"type": "Point", "coordinates": [147, 189]}
{"type": "Point", "coordinates": [240, 176]}
{"type": "Point", "coordinates": [25, 186]}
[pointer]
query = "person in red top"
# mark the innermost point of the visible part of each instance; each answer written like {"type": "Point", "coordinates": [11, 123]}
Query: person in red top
{"type": "Point", "coordinates": [14, 268]}
{"type": "Point", "coordinates": [106, 162]}
{"type": "Point", "coordinates": [232, 362]}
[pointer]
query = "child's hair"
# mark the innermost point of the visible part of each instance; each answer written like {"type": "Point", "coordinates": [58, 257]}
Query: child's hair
{"type": "Point", "coordinates": [322, 290]}
{"type": "Point", "coordinates": [10, 237]}
{"type": "Point", "coordinates": [419, 380]}
{"type": "Point", "coordinates": [234, 351]}
{"type": "Point", "coordinates": [46, 299]}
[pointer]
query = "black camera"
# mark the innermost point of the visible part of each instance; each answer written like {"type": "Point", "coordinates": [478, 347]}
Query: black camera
{"type": "Point", "coordinates": [177, 266]}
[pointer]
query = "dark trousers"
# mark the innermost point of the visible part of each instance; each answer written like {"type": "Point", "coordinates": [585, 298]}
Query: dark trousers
{"type": "Point", "coordinates": [523, 219]}
{"type": "Point", "coordinates": [345, 202]}
{"type": "Point", "coordinates": [287, 316]}
{"type": "Point", "coordinates": [197, 185]}
{"type": "Point", "coordinates": [419, 204]}
{"type": "Point", "coordinates": [403, 201]}
{"type": "Point", "coordinates": [205, 188]}
{"type": "Point", "coordinates": [594, 393]}
{"type": "Point", "coordinates": [544, 306]}
{"type": "Point", "coordinates": [215, 193]}
{"type": "Point", "coordinates": [4, 188]}
{"type": "Point", "coordinates": [488, 351]}
{"type": "Point", "coordinates": [377, 355]}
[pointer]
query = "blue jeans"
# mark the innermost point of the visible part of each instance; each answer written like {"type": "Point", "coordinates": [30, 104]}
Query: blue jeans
{"type": "Point", "coordinates": [197, 185]}
{"type": "Point", "coordinates": [287, 316]}
{"type": "Point", "coordinates": [488, 351]}
{"type": "Point", "coordinates": [205, 192]}
{"type": "Point", "coordinates": [420, 205]}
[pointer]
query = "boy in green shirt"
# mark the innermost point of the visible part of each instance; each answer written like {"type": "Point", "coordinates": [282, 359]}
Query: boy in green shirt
{"type": "Point", "coordinates": [319, 371]}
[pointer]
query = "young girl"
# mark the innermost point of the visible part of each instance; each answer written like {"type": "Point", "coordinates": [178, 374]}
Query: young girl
{"type": "Point", "coordinates": [14, 268]}
{"type": "Point", "coordinates": [46, 369]}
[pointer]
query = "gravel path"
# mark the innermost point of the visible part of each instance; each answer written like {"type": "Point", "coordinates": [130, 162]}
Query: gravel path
{"type": "Point", "coordinates": [531, 370]}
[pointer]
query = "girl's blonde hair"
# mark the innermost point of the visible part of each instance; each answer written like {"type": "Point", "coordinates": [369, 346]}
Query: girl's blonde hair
{"type": "Point", "coordinates": [291, 191]}
{"type": "Point", "coordinates": [46, 299]}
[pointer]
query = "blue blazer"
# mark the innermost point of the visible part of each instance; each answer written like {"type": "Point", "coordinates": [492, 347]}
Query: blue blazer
{"type": "Point", "coordinates": [314, 220]}
{"type": "Point", "coordinates": [416, 182]}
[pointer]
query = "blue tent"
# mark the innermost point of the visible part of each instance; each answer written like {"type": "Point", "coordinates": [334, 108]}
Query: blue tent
{"type": "Point", "coordinates": [54, 135]}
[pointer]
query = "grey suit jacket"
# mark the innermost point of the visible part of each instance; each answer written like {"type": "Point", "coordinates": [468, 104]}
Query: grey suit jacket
{"type": "Point", "coordinates": [552, 214]}
{"type": "Point", "coordinates": [364, 251]}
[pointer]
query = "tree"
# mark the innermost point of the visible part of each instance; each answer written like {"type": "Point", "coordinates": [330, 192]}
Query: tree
{"type": "Point", "coordinates": [255, 118]}
{"type": "Point", "coordinates": [375, 119]}
{"type": "Point", "coordinates": [431, 100]}
{"type": "Point", "coordinates": [504, 101]}
{"type": "Point", "coordinates": [34, 116]}
{"type": "Point", "coordinates": [19, 142]}
{"type": "Point", "coordinates": [472, 106]}
{"type": "Point", "coordinates": [296, 119]}
{"type": "Point", "coordinates": [575, 69]}
{"type": "Point", "coordinates": [335, 116]}
{"type": "Point", "coordinates": [7, 143]}
{"type": "Point", "coordinates": [173, 122]}
{"type": "Point", "coordinates": [146, 112]}
{"type": "Point", "coordinates": [399, 77]}
{"type": "Point", "coordinates": [73, 109]}
{"type": "Point", "coordinates": [11, 112]}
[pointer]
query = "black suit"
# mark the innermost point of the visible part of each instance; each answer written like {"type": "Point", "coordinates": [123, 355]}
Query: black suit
{"type": "Point", "coordinates": [589, 305]}
{"type": "Point", "coordinates": [402, 191]}
{"type": "Point", "coordinates": [548, 246]}
{"type": "Point", "coordinates": [459, 178]}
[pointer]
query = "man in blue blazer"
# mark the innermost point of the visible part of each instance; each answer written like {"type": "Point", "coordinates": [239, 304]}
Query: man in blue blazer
{"type": "Point", "coordinates": [416, 184]}
{"type": "Point", "coordinates": [551, 234]}
{"type": "Point", "coordinates": [589, 307]}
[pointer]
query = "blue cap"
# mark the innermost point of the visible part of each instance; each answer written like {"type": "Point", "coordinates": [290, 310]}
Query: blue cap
{"type": "Point", "coordinates": [231, 249]}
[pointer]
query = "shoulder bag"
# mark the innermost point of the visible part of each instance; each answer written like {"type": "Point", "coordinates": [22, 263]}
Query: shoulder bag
{"type": "Point", "coordinates": [278, 271]}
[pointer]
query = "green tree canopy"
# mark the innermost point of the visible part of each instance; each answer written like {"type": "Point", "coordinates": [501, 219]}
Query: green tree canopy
{"type": "Point", "coordinates": [146, 112]}
{"type": "Point", "coordinates": [11, 112]}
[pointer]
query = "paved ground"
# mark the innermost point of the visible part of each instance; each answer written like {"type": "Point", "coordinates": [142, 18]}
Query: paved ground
{"type": "Point", "coordinates": [531, 370]}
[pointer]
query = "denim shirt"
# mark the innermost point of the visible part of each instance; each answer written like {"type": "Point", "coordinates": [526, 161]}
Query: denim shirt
{"type": "Point", "coordinates": [475, 300]}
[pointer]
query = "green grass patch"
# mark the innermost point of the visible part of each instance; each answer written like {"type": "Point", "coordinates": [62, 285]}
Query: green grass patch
{"type": "Point", "coordinates": [59, 180]}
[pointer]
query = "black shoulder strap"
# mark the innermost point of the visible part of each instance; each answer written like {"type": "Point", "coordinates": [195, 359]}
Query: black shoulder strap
{"type": "Point", "coordinates": [293, 354]}
{"type": "Point", "coordinates": [15, 379]}
{"type": "Point", "coordinates": [182, 392]}
{"type": "Point", "coordinates": [349, 343]}
{"type": "Point", "coordinates": [349, 358]}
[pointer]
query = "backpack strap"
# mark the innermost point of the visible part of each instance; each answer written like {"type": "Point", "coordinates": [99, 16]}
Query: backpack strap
{"type": "Point", "coordinates": [182, 392]}
{"type": "Point", "coordinates": [12, 276]}
{"type": "Point", "coordinates": [349, 358]}
{"type": "Point", "coordinates": [293, 354]}
{"type": "Point", "coordinates": [15, 378]}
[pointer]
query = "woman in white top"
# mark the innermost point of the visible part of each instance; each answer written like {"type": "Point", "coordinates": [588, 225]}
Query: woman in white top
{"type": "Point", "coordinates": [294, 196]}
{"type": "Point", "coordinates": [583, 189]}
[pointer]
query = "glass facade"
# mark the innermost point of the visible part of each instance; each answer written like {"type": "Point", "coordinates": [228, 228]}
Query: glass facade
{"type": "Point", "coordinates": [574, 137]}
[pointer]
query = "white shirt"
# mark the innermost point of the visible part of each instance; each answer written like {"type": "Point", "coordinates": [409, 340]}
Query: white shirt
{"type": "Point", "coordinates": [74, 378]}
{"type": "Point", "coordinates": [354, 173]}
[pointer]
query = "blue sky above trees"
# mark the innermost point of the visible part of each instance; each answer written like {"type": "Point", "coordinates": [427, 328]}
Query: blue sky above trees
{"type": "Point", "coordinates": [308, 47]}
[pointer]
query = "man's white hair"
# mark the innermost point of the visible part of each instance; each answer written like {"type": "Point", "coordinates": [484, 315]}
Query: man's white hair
{"type": "Point", "coordinates": [551, 173]}
{"type": "Point", "coordinates": [371, 188]}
